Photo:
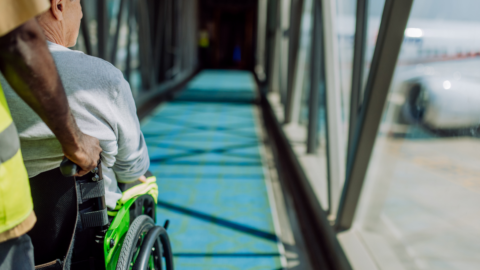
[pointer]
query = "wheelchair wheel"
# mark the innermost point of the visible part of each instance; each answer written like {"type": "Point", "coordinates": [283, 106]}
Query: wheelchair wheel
{"type": "Point", "coordinates": [133, 243]}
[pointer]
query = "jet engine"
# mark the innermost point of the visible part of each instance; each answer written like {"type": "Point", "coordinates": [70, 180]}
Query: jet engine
{"type": "Point", "coordinates": [444, 107]}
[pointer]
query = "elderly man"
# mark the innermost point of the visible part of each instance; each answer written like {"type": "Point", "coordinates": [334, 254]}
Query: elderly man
{"type": "Point", "coordinates": [100, 100]}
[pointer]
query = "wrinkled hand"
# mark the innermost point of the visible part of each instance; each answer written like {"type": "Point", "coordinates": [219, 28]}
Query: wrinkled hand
{"type": "Point", "coordinates": [85, 153]}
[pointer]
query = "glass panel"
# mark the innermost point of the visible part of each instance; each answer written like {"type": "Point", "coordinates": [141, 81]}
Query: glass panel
{"type": "Point", "coordinates": [122, 43]}
{"type": "Point", "coordinates": [90, 15]}
{"type": "Point", "coordinates": [420, 204]}
{"type": "Point", "coordinates": [346, 21]}
{"type": "Point", "coordinates": [346, 14]}
{"type": "Point", "coordinates": [314, 164]}
{"type": "Point", "coordinates": [80, 45]}
{"type": "Point", "coordinates": [135, 78]}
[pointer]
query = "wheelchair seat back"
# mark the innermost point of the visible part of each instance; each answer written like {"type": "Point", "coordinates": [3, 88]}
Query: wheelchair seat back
{"type": "Point", "coordinates": [55, 205]}
{"type": "Point", "coordinates": [71, 220]}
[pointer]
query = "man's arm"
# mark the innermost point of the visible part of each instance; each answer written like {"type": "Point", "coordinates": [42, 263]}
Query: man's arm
{"type": "Point", "coordinates": [132, 160]}
{"type": "Point", "coordinates": [28, 66]}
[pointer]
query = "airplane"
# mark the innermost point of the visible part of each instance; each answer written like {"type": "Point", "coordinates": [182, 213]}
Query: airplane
{"type": "Point", "coordinates": [437, 81]}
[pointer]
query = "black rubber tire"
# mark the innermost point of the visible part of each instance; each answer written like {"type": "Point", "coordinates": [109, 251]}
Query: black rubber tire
{"type": "Point", "coordinates": [141, 225]}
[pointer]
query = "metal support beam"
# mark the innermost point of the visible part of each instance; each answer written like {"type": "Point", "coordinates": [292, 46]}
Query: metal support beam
{"type": "Point", "coordinates": [193, 19]}
{"type": "Point", "coordinates": [270, 39]}
{"type": "Point", "coordinates": [294, 31]}
{"type": "Point", "coordinates": [302, 63]}
{"type": "Point", "coordinates": [130, 15]}
{"type": "Point", "coordinates": [163, 46]}
{"type": "Point", "coordinates": [284, 44]}
{"type": "Point", "coordinates": [261, 40]}
{"type": "Point", "coordinates": [168, 38]}
{"type": "Point", "coordinates": [317, 77]}
{"type": "Point", "coordinates": [390, 37]}
{"type": "Point", "coordinates": [335, 133]}
{"type": "Point", "coordinates": [183, 38]}
{"type": "Point", "coordinates": [273, 45]}
{"type": "Point", "coordinates": [113, 51]}
{"type": "Point", "coordinates": [177, 32]}
{"type": "Point", "coordinates": [158, 50]}
{"type": "Point", "coordinates": [194, 48]}
{"type": "Point", "coordinates": [145, 44]}
{"type": "Point", "coordinates": [102, 28]}
{"type": "Point", "coordinates": [361, 28]}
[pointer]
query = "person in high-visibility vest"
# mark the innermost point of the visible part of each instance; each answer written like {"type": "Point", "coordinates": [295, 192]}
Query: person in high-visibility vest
{"type": "Point", "coordinates": [29, 68]}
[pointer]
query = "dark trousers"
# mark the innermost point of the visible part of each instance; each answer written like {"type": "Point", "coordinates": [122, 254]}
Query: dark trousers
{"type": "Point", "coordinates": [17, 254]}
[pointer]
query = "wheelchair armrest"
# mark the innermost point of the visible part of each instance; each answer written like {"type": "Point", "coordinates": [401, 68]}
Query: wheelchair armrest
{"type": "Point", "coordinates": [125, 186]}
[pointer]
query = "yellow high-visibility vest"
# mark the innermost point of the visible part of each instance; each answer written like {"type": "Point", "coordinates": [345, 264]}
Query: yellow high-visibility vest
{"type": "Point", "coordinates": [15, 198]}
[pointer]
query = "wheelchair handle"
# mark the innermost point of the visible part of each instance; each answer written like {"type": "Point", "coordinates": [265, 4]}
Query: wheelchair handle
{"type": "Point", "coordinates": [68, 168]}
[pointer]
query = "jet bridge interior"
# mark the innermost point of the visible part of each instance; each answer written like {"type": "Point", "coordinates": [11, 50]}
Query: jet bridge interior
{"type": "Point", "coordinates": [305, 134]}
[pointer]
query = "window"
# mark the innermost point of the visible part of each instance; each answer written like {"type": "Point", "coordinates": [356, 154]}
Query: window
{"type": "Point", "coordinates": [419, 206]}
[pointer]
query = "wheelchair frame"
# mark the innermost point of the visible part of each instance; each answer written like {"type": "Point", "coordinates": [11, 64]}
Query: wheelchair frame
{"type": "Point", "coordinates": [117, 231]}
{"type": "Point", "coordinates": [129, 240]}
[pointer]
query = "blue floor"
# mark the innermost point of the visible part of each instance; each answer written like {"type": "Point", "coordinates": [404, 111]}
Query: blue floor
{"type": "Point", "coordinates": [207, 159]}
{"type": "Point", "coordinates": [221, 85]}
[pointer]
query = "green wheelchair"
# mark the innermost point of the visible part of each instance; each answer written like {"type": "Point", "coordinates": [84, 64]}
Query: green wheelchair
{"type": "Point", "coordinates": [75, 230]}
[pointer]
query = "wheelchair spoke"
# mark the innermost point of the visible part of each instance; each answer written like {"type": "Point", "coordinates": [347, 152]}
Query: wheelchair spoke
{"type": "Point", "coordinates": [137, 251]}
{"type": "Point", "coordinates": [151, 261]}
